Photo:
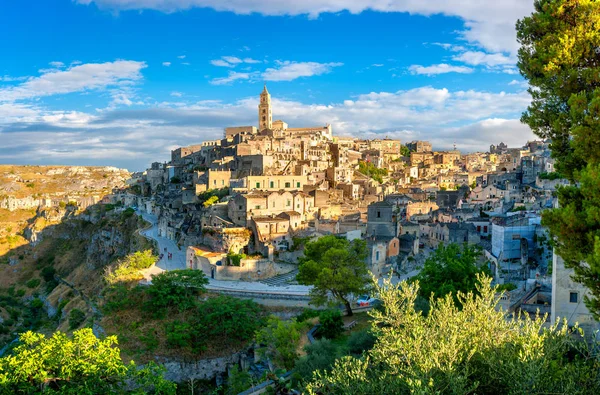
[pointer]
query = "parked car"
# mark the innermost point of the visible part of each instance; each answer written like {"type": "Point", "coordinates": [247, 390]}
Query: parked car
{"type": "Point", "coordinates": [366, 300]}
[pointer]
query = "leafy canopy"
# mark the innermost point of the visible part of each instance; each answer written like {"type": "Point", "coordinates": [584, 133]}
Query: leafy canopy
{"type": "Point", "coordinates": [560, 57]}
{"type": "Point", "coordinates": [176, 288]}
{"type": "Point", "coordinates": [335, 267]}
{"type": "Point", "coordinates": [280, 340]}
{"type": "Point", "coordinates": [451, 268]}
{"type": "Point", "coordinates": [81, 364]}
{"type": "Point", "coordinates": [475, 349]}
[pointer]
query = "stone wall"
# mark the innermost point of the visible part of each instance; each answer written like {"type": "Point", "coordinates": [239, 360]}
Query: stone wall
{"type": "Point", "coordinates": [203, 369]}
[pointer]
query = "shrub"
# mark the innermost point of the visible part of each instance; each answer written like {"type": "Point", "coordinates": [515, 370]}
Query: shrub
{"type": "Point", "coordinates": [20, 293]}
{"type": "Point", "coordinates": [506, 287]}
{"type": "Point", "coordinates": [360, 341]}
{"type": "Point", "coordinates": [76, 318]}
{"type": "Point", "coordinates": [235, 259]}
{"type": "Point", "coordinates": [48, 273]}
{"type": "Point", "coordinates": [320, 355]}
{"type": "Point", "coordinates": [128, 268]}
{"type": "Point", "coordinates": [332, 324]}
{"type": "Point", "coordinates": [307, 314]}
{"type": "Point", "coordinates": [176, 288]}
{"type": "Point", "coordinates": [33, 283]}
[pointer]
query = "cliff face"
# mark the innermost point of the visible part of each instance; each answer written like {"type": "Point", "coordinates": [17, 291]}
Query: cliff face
{"type": "Point", "coordinates": [35, 197]}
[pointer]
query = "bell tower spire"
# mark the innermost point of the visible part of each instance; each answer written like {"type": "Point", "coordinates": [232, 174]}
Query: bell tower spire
{"type": "Point", "coordinates": [265, 114]}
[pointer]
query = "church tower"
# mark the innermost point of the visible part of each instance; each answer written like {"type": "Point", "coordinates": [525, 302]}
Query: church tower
{"type": "Point", "coordinates": [265, 116]}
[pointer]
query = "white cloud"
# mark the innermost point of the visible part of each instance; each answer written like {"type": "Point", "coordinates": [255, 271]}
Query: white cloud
{"type": "Point", "coordinates": [489, 24]}
{"type": "Point", "coordinates": [232, 61]}
{"type": "Point", "coordinates": [289, 71]}
{"type": "Point", "coordinates": [474, 119]}
{"type": "Point", "coordinates": [8, 78]}
{"type": "Point", "coordinates": [477, 58]}
{"type": "Point", "coordinates": [181, 57]}
{"type": "Point", "coordinates": [85, 77]}
{"type": "Point", "coordinates": [377, 65]}
{"type": "Point", "coordinates": [166, 64]}
{"type": "Point", "coordinates": [176, 94]}
{"type": "Point", "coordinates": [442, 68]}
{"type": "Point", "coordinates": [57, 65]}
{"type": "Point", "coordinates": [251, 61]}
{"type": "Point", "coordinates": [221, 63]}
{"type": "Point", "coordinates": [233, 76]}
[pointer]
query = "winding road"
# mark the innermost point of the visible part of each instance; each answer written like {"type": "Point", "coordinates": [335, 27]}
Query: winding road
{"type": "Point", "coordinates": [240, 288]}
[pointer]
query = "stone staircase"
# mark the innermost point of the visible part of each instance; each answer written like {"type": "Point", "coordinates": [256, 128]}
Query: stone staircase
{"type": "Point", "coordinates": [281, 279]}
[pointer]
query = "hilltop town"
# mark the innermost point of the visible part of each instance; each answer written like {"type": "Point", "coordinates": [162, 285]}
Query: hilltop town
{"type": "Point", "coordinates": [243, 206]}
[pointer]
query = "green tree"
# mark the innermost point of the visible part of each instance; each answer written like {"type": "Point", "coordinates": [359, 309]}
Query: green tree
{"type": "Point", "coordinates": [176, 288]}
{"type": "Point", "coordinates": [370, 170]}
{"type": "Point", "coordinates": [476, 349]}
{"type": "Point", "coordinates": [451, 268]}
{"type": "Point", "coordinates": [238, 381]}
{"type": "Point", "coordinates": [81, 364]}
{"type": "Point", "coordinates": [331, 324]}
{"type": "Point", "coordinates": [335, 267]}
{"type": "Point", "coordinates": [560, 57]}
{"type": "Point", "coordinates": [404, 150]}
{"type": "Point", "coordinates": [280, 340]}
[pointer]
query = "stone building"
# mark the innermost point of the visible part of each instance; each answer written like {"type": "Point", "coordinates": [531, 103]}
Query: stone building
{"type": "Point", "coordinates": [382, 219]}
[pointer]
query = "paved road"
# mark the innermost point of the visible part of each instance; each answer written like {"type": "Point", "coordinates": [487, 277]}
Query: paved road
{"type": "Point", "coordinates": [178, 262]}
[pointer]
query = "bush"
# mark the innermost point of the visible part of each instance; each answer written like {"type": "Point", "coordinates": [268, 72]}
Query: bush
{"type": "Point", "coordinates": [358, 342]}
{"type": "Point", "coordinates": [20, 293]}
{"type": "Point", "coordinates": [235, 259]}
{"type": "Point", "coordinates": [307, 314]}
{"type": "Point", "coordinates": [332, 324]}
{"type": "Point", "coordinates": [33, 283]}
{"type": "Point", "coordinates": [176, 288]}
{"type": "Point", "coordinates": [48, 273]}
{"type": "Point", "coordinates": [506, 287]}
{"type": "Point", "coordinates": [320, 355]}
{"type": "Point", "coordinates": [76, 318]}
{"type": "Point", "coordinates": [128, 268]}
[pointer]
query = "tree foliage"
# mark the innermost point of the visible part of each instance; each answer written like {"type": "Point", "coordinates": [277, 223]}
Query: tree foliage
{"type": "Point", "coordinates": [321, 355]}
{"type": "Point", "coordinates": [451, 268]}
{"type": "Point", "coordinates": [560, 56]}
{"type": "Point", "coordinates": [280, 341]}
{"type": "Point", "coordinates": [370, 170]}
{"type": "Point", "coordinates": [81, 364]}
{"type": "Point", "coordinates": [475, 349]}
{"type": "Point", "coordinates": [335, 267]}
{"type": "Point", "coordinates": [128, 268]}
{"type": "Point", "coordinates": [331, 324]}
{"type": "Point", "coordinates": [176, 288]}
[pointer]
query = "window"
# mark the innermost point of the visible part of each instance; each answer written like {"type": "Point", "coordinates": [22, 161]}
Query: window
{"type": "Point", "coordinates": [288, 185]}
{"type": "Point", "coordinates": [485, 229]}
{"type": "Point", "coordinates": [573, 297]}
{"type": "Point", "coordinates": [240, 207]}
{"type": "Point", "coordinates": [273, 204]}
{"type": "Point", "coordinates": [297, 185]}
{"type": "Point", "coordinates": [272, 184]}
{"type": "Point", "coordinates": [289, 203]}
{"type": "Point", "coordinates": [214, 182]}
{"type": "Point", "coordinates": [479, 229]}
{"type": "Point", "coordinates": [379, 214]}
{"type": "Point", "coordinates": [377, 255]}
{"type": "Point", "coordinates": [257, 207]}
{"type": "Point", "coordinates": [222, 182]}
{"type": "Point", "coordinates": [258, 184]}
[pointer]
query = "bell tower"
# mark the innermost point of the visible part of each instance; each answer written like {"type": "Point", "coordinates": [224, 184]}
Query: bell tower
{"type": "Point", "coordinates": [265, 116]}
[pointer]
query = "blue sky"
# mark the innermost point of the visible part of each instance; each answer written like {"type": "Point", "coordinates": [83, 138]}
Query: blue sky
{"type": "Point", "coordinates": [122, 82]}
